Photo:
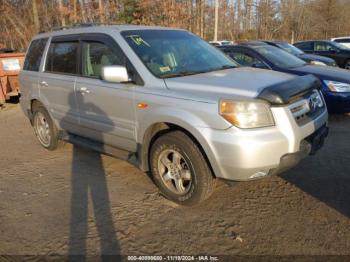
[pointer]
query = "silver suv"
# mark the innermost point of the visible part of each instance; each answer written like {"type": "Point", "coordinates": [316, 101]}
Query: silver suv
{"type": "Point", "coordinates": [171, 104]}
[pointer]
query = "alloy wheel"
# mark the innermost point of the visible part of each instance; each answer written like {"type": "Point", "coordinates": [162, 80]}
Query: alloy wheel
{"type": "Point", "coordinates": [174, 171]}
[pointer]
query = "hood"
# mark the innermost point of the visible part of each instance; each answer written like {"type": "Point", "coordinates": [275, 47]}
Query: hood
{"type": "Point", "coordinates": [236, 82]}
{"type": "Point", "coordinates": [309, 57]}
{"type": "Point", "coordinates": [325, 72]}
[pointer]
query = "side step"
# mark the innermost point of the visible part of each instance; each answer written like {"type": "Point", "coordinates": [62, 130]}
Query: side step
{"type": "Point", "coordinates": [131, 157]}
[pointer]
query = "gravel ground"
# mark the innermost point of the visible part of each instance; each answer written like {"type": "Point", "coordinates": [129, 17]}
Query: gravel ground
{"type": "Point", "coordinates": [75, 201]}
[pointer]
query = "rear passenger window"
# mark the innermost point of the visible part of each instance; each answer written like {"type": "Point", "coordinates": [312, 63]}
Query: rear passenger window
{"type": "Point", "coordinates": [62, 57]}
{"type": "Point", "coordinates": [97, 55]}
{"type": "Point", "coordinates": [34, 55]}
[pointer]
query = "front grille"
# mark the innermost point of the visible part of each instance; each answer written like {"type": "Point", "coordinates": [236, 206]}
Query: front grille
{"type": "Point", "coordinates": [308, 107]}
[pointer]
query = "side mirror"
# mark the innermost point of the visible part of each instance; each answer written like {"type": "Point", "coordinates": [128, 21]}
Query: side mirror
{"type": "Point", "coordinates": [115, 74]}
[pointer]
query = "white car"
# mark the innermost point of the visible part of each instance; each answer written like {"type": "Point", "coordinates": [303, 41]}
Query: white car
{"type": "Point", "coordinates": [342, 40]}
{"type": "Point", "coordinates": [221, 43]}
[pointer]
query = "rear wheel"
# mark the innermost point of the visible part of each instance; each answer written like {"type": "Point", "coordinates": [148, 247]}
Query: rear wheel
{"type": "Point", "coordinates": [180, 170]}
{"type": "Point", "coordinates": [44, 127]}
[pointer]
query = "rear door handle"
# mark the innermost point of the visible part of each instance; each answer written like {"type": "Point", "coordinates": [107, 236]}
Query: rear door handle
{"type": "Point", "coordinates": [44, 84]}
{"type": "Point", "coordinates": [84, 90]}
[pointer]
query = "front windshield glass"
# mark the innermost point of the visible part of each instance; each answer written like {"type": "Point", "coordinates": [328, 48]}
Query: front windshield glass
{"type": "Point", "coordinates": [290, 49]}
{"type": "Point", "coordinates": [340, 46]}
{"type": "Point", "coordinates": [171, 53]}
{"type": "Point", "coordinates": [279, 57]}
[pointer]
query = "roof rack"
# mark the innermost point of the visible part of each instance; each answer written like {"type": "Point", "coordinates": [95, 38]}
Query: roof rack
{"type": "Point", "coordinates": [57, 28]}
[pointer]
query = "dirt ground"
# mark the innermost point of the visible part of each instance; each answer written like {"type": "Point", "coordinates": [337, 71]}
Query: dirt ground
{"type": "Point", "coordinates": [75, 201]}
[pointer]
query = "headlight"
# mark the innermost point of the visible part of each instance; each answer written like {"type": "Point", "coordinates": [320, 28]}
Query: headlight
{"type": "Point", "coordinates": [246, 114]}
{"type": "Point", "coordinates": [337, 86]}
{"type": "Point", "coordinates": [317, 63]}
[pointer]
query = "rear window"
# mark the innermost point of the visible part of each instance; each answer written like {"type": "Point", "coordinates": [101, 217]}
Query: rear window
{"type": "Point", "coordinates": [305, 45]}
{"type": "Point", "coordinates": [34, 55]}
{"type": "Point", "coordinates": [62, 57]}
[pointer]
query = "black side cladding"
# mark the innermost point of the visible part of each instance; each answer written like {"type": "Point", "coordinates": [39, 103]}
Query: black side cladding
{"type": "Point", "coordinates": [286, 92]}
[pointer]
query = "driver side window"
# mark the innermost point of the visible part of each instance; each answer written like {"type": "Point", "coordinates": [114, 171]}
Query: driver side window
{"type": "Point", "coordinates": [323, 47]}
{"type": "Point", "coordinates": [97, 55]}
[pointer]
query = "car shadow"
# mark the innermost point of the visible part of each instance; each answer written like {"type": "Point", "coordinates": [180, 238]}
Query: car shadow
{"type": "Point", "coordinates": [326, 175]}
{"type": "Point", "coordinates": [88, 180]}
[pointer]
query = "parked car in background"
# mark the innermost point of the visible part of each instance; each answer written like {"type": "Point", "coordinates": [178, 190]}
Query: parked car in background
{"type": "Point", "coordinates": [335, 81]}
{"type": "Point", "coordinates": [171, 104]}
{"type": "Point", "coordinates": [340, 53]}
{"type": "Point", "coordinates": [308, 58]}
{"type": "Point", "coordinates": [342, 40]}
{"type": "Point", "coordinates": [221, 43]}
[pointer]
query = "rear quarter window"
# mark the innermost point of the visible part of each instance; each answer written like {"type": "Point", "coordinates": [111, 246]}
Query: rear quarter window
{"type": "Point", "coordinates": [34, 55]}
{"type": "Point", "coordinates": [62, 57]}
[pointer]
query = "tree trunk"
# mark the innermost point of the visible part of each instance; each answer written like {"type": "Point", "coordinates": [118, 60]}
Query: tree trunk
{"type": "Point", "coordinates": [75, 15]}
{"type": "Point", "coordinates": [61, 14]}
{"type": "Point", "coordinates": [202, 17]}
{"type": "Point", "coordinates": [82, 11]}
{"type": "Point", "coordinates": [198, 16]}
{"type": "Point", "coordinates": [35, 16]}
{"type": "Point", "coordinates": [101, 10]}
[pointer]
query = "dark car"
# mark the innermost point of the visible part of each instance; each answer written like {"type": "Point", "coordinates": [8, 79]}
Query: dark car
{"type": "Point", "coordinates": [335, 81]}
{"type": "Point", "coordinates": [308, 58]}
{"type": "Point", "coordinates": [340, 53]}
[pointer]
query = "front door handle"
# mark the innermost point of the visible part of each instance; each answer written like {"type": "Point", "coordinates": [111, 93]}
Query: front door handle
{"type": "Point", "coordinates": [84, 90]}
{"type": "Point", "coordinates": [44, 84]}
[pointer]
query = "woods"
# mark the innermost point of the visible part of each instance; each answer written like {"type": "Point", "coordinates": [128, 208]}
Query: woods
{"type": "Point", "coordinates": [238, 19]}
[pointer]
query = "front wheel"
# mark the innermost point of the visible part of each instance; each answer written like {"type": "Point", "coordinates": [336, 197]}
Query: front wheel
{"type": "Point", "coordinates": [180, 170]}
{"type": "Point", "coordinates": [347, 65]}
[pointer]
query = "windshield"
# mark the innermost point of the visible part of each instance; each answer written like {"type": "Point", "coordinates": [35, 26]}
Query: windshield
{"type": "Point", "coordinates": [171, 53]}
{"type": "Point", "coordinates": [290, 49]}
{"type": "Point", "coordinates": [340, 46]}
{"type": "Point", "coordinates": [278, 57]}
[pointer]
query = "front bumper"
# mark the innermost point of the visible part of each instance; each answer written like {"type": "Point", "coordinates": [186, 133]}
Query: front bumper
{"type": "Point", "coordinates": [309, 146]}
{"type": "Point", "coordinates": [337, 102]}
{"type": "Point", "coordinates": [243, 155]}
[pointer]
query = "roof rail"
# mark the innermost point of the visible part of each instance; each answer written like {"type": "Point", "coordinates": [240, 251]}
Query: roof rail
{"type": "Point", "coordinates": [57, 28]}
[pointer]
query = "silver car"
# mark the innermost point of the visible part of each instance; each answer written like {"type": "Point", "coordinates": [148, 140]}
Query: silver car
{"type": "Point", "coordinates": [170, 103]}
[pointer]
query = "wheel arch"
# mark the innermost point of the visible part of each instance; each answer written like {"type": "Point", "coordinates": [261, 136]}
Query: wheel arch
{"type": "Point", "coordinates": [157, 130]}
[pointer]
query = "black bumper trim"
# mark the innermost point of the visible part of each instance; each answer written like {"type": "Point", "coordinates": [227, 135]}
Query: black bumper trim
{"type": "Point", "coordinates": [309, 146]}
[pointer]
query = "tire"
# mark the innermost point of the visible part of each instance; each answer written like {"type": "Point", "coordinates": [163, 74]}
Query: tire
{"type": "Point", "coordinates": [180, 170]}
{"type": "Point", "coordinates": [44, 127]}
{"type": "Point", "coordinates": [347, 65]}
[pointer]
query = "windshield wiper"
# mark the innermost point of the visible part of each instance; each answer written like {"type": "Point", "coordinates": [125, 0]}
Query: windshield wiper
{"type": "Point", "coordinates": [188, 73]}
{"type": "Point", "coordinates": [181, 73]}
{"type": "Point", "coordinates": [224, 67]}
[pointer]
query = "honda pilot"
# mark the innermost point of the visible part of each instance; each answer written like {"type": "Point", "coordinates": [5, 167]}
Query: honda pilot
{"type": "Point", "coordinates": [171, 104]}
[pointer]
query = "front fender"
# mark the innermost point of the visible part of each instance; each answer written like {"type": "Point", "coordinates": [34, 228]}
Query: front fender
{"type": "Point", "coordinates": [197, 127]}
{"type": "Point", "coordinates": [185, 119]}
